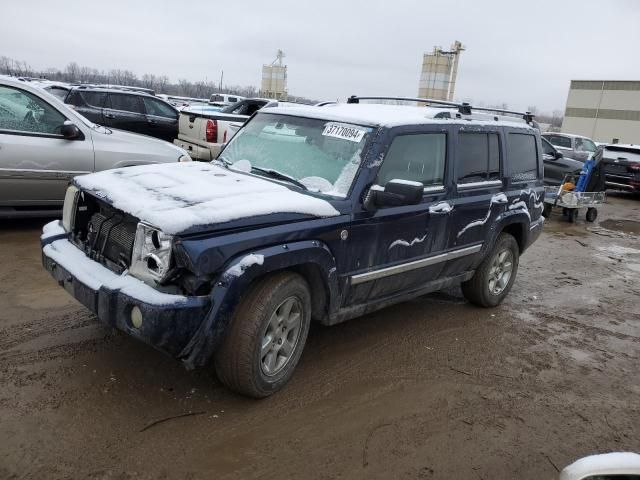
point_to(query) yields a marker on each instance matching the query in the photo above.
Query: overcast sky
(521, 53)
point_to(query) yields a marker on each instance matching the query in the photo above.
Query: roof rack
(463, 108)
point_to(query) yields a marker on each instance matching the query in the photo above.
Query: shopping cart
(571, 195)
(571, 202)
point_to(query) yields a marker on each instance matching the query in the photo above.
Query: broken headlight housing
(151, 259)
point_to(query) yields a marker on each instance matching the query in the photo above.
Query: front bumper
(169, 321)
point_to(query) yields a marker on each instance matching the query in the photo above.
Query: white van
(224, 99)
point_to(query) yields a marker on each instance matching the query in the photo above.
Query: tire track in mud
(67, 350)
(58, 329)
(15, 335)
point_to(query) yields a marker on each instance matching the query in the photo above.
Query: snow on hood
(178, 196)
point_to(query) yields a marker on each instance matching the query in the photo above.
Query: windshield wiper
(280, 176)
(224, 161)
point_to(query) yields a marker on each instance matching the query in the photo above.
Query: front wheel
(266, 336)
(494, 277)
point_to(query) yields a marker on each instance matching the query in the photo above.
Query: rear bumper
(169, 321)
(198, 152)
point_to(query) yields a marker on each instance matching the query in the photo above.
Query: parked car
(182, 102)
(60, 90)
(310, 214)
(224, 99)
(621, 164)
(556, 165)
(203, 132)
(571, 146)
(129, 110)
(44, 144)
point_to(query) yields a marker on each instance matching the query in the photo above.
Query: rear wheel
(266, 337)
(592, 214)
(494, 277)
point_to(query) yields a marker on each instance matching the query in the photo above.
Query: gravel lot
(433, 388)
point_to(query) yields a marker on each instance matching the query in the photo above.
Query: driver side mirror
(394, 194)
(70, 131)
(558, 155)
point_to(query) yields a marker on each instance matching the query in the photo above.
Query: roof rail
(464, 108)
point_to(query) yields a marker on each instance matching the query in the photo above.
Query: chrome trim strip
(429, 189)
(40, 170)
(486, 183)
(40, 174)
(621, 185)
(626, 177)
(406, 267)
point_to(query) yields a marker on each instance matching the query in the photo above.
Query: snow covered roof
(387, 115)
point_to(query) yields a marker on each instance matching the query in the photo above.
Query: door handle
(151, 121)
(109, 115)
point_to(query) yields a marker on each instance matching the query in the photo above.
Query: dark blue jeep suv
(309, 214)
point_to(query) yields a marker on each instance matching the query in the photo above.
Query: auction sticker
(345, 132)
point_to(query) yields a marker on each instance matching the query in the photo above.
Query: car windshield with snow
(317, 155)
(309, 214)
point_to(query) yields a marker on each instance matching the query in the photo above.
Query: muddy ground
(433, 388)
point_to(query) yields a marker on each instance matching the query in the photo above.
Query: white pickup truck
(203, 133)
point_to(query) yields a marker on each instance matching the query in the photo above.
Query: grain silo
(274, 79)
(439, 71)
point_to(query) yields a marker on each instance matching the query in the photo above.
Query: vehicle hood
(194, 196)
(112, 138)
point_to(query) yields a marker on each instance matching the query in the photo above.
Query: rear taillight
(212, 131)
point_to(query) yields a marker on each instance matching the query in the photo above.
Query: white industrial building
(605, 110)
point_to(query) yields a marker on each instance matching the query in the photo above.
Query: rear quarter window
(522, 157)
(95, 99)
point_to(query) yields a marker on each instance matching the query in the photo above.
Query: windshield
(321, 155)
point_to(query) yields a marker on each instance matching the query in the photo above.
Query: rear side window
(417, 157)
(478, 157)
(158, 108)
(559, 141)
(522, 157)
(127, 103)
(95, 99)
(233, 99)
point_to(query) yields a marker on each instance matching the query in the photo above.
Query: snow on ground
(178, 196)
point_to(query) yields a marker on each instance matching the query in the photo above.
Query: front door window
(22, 111)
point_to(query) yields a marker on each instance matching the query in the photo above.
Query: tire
(241, 362)
(592, 214)
(482, 289)
(572, 216)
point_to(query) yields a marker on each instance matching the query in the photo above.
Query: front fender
(238, 275)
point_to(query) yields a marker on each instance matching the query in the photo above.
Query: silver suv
(44, 144)
(572, 146)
